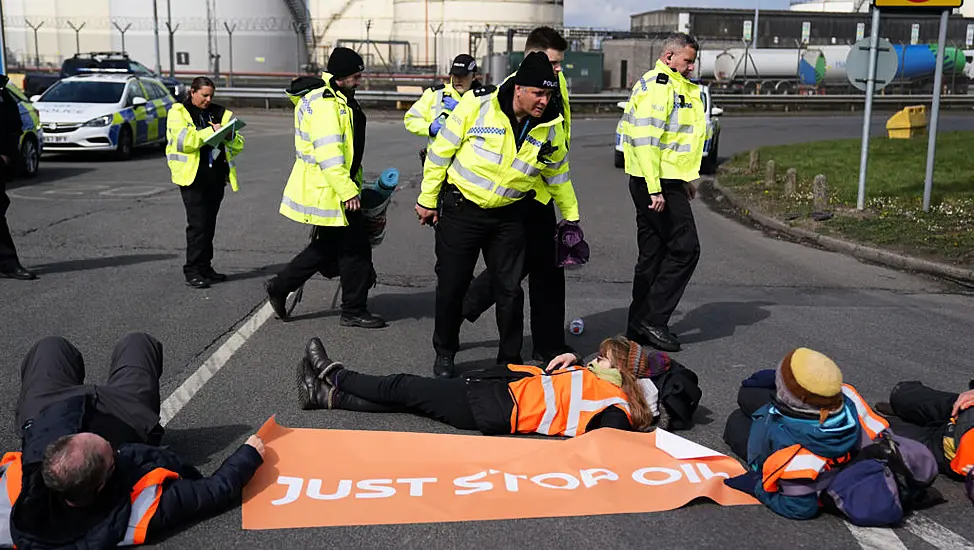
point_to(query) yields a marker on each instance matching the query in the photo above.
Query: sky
(614, 14)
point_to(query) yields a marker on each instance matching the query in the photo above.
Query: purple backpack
(887, 478)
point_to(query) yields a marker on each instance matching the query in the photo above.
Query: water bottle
(576, 327)
(374, 193)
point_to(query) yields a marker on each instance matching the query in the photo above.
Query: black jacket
(11, 127)
(41, 520)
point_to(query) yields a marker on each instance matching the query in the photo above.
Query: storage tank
(771, 64)
(915, 61)
(356, 20)
(455, 19)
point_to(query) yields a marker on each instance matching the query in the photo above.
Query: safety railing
(379, 96)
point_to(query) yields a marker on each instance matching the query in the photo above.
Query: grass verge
(893, 218)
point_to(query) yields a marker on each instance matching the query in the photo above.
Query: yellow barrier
(910, 122)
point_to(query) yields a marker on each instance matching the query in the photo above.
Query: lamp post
(155, 30)
(172, 54)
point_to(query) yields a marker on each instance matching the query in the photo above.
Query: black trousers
(922, 414)
(546, 281)
(202, 200)
(463, 232)
(737, 431)
(8, 252)
(54, 370)
(442, 399)
(668, 253)
(349, 247)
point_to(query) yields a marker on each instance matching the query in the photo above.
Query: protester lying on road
(612, 391)
(943, 421)
(805, 435)
(90, 474)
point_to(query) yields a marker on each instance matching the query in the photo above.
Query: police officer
(498, 148)
(663, 132)
(546, 281)
(427, 115)
(10, 129)
(201, 171)
(324, 190)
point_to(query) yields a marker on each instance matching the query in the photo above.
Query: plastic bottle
(576, 327)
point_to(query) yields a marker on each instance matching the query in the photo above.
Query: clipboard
(221, 135)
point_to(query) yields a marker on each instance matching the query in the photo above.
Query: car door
(144, 114)
(164, 101)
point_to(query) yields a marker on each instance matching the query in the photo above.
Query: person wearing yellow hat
(794, 423)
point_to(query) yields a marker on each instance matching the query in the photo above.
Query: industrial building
(271, 36)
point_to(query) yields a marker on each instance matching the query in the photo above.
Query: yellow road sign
(919, 4)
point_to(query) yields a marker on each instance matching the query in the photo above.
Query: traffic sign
(857, 64)
(806, 31)
(747, 30)
(970, 36)
(919, 4)
(915, 34)
(860, 31)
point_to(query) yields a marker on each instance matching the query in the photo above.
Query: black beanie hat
(345, 62)
(536, 71)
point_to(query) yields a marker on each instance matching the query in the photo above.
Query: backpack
(886, 480)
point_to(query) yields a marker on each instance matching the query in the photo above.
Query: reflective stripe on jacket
(477, 152)
(562, 402)
(422, 113)
(11, 480)
(145, 497)
(184, 141)
(320, 183)
(796, 463)
(664, 128)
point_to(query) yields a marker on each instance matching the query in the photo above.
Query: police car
(709, 163)
(32, 138)
(104, 111)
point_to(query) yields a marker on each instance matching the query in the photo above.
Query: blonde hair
(616, 350)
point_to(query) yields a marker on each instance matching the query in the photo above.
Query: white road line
(875, 538)
(935, 534)
(179, 398)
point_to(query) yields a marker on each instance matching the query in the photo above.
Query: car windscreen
(84, 92)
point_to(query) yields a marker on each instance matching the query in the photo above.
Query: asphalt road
(107, 239)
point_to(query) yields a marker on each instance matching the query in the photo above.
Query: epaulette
(486, 90)
(662, 78)
(438, 87)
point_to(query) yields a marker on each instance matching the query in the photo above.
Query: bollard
(770, 175)
(752, 167)
(791, 182)
(820, 192)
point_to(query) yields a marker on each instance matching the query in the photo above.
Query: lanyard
(524, 131)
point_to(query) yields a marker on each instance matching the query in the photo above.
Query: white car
(708, 165)
(104, 112)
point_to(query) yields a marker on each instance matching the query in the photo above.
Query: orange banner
(320, 478)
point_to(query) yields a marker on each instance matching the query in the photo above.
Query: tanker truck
(822, 69)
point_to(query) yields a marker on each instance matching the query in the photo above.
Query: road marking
(935, 534)
(179, 398)
(875, 538)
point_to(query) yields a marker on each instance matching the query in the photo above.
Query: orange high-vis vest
(964, 454)
(561, 402)
(798, 463)
(145, 500)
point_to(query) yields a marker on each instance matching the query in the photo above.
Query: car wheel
(30, 155)
(123, 151)
(620, 159)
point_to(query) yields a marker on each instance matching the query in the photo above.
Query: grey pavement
(107, 239)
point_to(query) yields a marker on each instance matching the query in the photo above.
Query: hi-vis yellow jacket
(476, 151)
(664, 128)
(320, 183)
(184, 142)
(422, 113)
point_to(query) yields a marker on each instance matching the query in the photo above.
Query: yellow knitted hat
(811, 379)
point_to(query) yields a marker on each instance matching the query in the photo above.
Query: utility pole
(938, 79)
(155, 28)
(172, 54)
(757, 15)
(211, 45)
(77, 36)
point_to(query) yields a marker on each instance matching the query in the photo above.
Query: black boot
(323, 366)
(276, 299)
(443, 366)
(312, 392)
(659, 337)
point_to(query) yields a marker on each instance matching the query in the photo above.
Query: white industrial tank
(351, 23)
(417, 22)
(843, 6)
